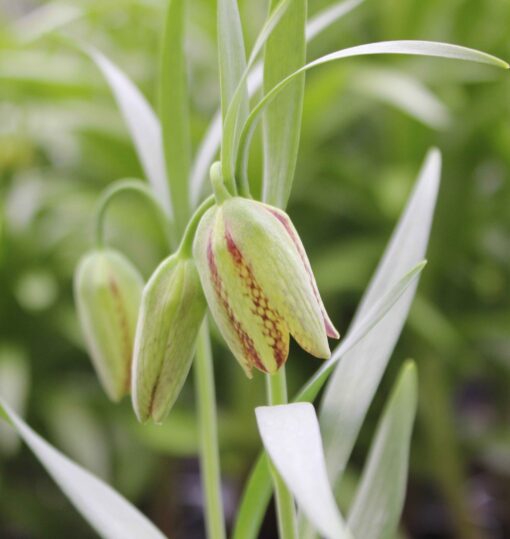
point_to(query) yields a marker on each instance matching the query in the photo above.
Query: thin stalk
(276, 388)
(119, 187)
(209, 450)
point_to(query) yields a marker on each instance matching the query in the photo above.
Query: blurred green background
(62, 141)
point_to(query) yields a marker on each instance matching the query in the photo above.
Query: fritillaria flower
(259, 284)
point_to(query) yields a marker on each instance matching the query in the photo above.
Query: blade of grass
(111, 515)
(285, 51)
(292, 439)
(174, 112)
(211, 141)
(377, 506)
(413, 48)
(142, 123)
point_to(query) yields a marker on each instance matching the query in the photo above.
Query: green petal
(278, 268)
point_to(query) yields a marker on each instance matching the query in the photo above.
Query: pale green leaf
(413, 48)
(234, 119)
(211, 141)
(351, 388)
(285, 51)
(111, 515)
(174, 112)
(142, 123)
(377, 506)
(250, 514)
(292, 439)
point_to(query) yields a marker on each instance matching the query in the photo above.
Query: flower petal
(279, 271)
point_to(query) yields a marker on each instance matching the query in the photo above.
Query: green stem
(276, 388)
(121, 186)
(186, 245)
(209, 450)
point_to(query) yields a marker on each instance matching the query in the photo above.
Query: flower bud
(173, 308)
(108, 290)
(259, 284)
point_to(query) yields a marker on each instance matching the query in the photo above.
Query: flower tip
(331, 331)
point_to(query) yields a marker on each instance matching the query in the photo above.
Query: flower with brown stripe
(259, 284)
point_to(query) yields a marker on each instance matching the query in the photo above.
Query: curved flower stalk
(108, 289)
(259, 284)
(172, 311)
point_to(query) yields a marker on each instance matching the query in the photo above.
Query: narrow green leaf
(352, 387)
(174, 112)
(413, 48)
(250, 514)
(111, 515)
(292, 439)
(141, 121)
(377, 506)
(232, 64)
(234, 119)
(285, 51)
(232, 54)
(211, 141)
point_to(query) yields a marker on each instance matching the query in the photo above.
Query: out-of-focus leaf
(403, 92)
(141, 122)
(45, 19)
(375, 511)
(111, 515)
(250, 515)
(285, 51)
(413, 48)
(14, 383)
(212, 138)
(292, 439)
(174, 112)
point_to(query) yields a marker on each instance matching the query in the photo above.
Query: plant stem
(276, 388)
(209, 451)
(119, 187)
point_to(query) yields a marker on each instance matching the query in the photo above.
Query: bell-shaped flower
(259, 284)
(172, 311)
(108, 290)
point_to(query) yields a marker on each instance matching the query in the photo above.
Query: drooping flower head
(108, 290)
(172, 310)
(259, 284)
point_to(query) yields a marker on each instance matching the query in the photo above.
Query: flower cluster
(247, 265)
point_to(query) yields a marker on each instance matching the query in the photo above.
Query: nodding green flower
(173, 308)
(259, 284)
(108, 290)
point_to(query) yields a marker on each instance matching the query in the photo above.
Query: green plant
(360, 359)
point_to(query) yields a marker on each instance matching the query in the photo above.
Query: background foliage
(62, 141)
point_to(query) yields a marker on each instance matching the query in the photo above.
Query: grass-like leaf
(377, 506)
(111, 515)
(233, 121)
(285, 51)
(142, 123)
(258, 490)
(352, 387)
(232, 65)
(174, 112)
(292, 439)
(413, 48)
(211, 141)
